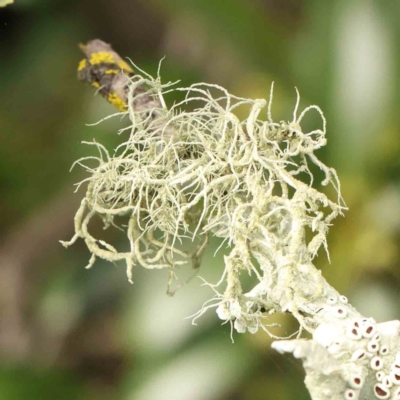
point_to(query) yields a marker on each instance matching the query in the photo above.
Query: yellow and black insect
(104, 69)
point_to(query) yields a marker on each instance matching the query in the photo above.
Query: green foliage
(28, 383)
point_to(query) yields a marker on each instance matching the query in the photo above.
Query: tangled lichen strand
(187, 174)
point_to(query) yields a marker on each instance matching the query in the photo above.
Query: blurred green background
(70, 333)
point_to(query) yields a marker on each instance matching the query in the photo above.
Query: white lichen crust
(345, 368)
(181, 175)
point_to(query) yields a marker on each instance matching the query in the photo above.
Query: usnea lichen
(189, 174)
(181, 176)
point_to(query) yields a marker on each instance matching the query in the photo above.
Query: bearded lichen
(188, 174)
(180, 176)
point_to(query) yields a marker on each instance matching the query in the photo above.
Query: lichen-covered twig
(179, 176)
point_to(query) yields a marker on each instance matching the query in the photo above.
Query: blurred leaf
(29, 383)
(4, 3)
